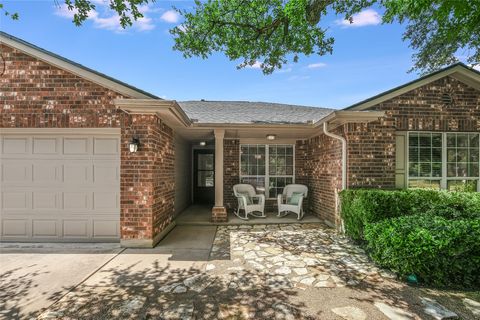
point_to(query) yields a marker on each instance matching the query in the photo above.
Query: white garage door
(60, 185)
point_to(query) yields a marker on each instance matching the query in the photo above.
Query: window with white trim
(269, 167)
(443, 160)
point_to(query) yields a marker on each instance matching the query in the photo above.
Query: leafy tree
(274, 31)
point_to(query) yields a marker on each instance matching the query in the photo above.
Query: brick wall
(422, 109)
(325, 176)
(370, 154)
(35, 94)
(231, 171)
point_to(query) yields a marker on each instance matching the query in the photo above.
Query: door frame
(196, 151)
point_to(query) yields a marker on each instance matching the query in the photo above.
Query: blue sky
(368, 58)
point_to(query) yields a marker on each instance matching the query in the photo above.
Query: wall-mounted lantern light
(271, 137)
(133, 145)
(203, 143)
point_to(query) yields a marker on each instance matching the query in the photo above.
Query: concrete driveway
(33, 276)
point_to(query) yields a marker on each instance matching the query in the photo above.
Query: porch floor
(201, 215)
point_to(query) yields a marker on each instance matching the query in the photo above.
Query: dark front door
(204, 176)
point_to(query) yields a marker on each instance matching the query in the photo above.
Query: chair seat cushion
(247, 196)
(295, 198)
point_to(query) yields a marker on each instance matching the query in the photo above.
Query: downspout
(344, 162)
(344, 153)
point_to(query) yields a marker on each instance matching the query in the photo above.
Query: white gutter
(344, 153)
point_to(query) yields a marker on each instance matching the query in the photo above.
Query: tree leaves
(261, 32)
(270, 32)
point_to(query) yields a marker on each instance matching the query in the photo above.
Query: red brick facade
(371, 147)
(231, 172)
(147, 178)
(35, 94)
(325, 176)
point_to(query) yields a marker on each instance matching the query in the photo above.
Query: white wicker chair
(240, 190)
(282, 200)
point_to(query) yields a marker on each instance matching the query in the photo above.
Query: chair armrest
(243, 199)
(300, 201)
(261, 197)
(279, 199)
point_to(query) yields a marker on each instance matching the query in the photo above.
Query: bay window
(443, 160)
(269, 167)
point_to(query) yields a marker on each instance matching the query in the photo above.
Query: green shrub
(439, 251)
(361, 206)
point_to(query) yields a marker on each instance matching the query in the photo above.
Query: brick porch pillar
(219, 213)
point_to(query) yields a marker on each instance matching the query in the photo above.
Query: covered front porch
(197, 214)
(219, 145)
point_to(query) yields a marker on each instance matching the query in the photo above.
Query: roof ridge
(254, 102)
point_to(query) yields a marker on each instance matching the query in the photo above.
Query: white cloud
(256, 65)
(316, 65)
(477, 67)
(170, 16)
(368, 17)
(108, 19)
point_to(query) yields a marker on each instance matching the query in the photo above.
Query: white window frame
(267, 165)
(443, 179)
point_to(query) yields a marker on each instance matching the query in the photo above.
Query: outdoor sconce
(203, 143)
(133, 145)
(271, 137)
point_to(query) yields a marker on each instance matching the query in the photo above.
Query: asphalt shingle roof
(250, 112)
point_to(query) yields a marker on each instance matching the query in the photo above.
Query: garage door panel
(17, 228)
(76, 228)
(47, 171)
(76, 146)
(14, 171)
(106, 146)
(46, 200)
(106, 201)
(77, 202)
(46, 145)
(106, 172)
(60, 187)
(16, 200)
(77, 172)
(45, 228)
(16, 145)
(108, 228)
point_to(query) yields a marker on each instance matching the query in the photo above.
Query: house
(85, 157)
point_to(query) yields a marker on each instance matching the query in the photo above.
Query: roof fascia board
(152, 106)
(349, 116)
(82, 72)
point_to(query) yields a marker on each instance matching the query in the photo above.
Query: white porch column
(219, 212)
(219, 134)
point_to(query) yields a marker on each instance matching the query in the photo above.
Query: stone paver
(306, 254)
(394, 313)
(350, 313)
(436, 310)
(473, 306)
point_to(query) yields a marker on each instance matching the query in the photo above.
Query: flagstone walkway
(296, 271)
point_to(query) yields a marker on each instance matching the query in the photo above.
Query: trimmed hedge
(437, 250)
(362, 206)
